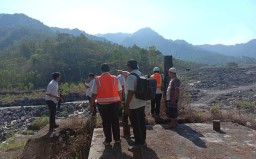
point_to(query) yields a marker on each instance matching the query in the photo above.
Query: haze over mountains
(16, 27)
(247, 49)
(209, 54)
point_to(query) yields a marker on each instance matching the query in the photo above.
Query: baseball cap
(172, 69)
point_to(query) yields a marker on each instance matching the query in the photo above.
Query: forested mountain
(30, 64)
(179, 48)
(117, 38)
(18, 27)
(77, 32)
(31, 51)
(246, 49)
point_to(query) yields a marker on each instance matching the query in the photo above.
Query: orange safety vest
(107, 85)
(158, 78)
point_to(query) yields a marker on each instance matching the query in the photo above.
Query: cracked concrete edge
(94, 151)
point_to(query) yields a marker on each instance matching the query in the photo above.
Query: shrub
(39, 123)
(8, 135)
(12, 144)
(245, 104)
(69, 88)
(215, 111)
(63, 114)
(27, 132)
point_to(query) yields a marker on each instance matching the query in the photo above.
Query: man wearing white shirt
(134, 107)
(88, 87)
(52, 98)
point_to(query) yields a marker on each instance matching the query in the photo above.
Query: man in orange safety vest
(155, 103)
(107, 90)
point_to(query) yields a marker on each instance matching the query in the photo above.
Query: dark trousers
(137, 118)
(52, 109)
(155, 104)
(95, 111)
(110, 121)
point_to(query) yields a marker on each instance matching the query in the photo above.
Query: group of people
(115, 99)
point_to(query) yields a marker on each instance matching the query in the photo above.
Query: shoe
(131, 148)
(106, 143)
(118, 141)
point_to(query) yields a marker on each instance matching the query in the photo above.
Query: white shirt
(52, 89)
(89, 90)
(122, 81)
(95, 87)
(131, 83)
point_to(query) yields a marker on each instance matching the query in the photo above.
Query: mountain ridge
(18, 27)
(147, 37)
(247, 49)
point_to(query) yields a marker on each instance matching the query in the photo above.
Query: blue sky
(196, 21)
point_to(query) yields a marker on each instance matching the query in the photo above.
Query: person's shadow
(112, 152)
(148, 153)
(190, 134)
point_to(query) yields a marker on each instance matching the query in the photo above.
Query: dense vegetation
(30, 64)
(30, 51)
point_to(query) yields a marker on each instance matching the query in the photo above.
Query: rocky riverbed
(18, 119)
(206, 87)
(226, 86)
(221, 78)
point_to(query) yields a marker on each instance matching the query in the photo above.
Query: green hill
(31, 51)
(18, 27)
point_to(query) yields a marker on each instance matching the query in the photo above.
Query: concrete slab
(187, 141)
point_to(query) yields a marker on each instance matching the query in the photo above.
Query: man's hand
(58, 97)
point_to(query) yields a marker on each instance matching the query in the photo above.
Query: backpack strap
(136, 75)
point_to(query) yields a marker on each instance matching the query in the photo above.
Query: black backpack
(146, 88)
